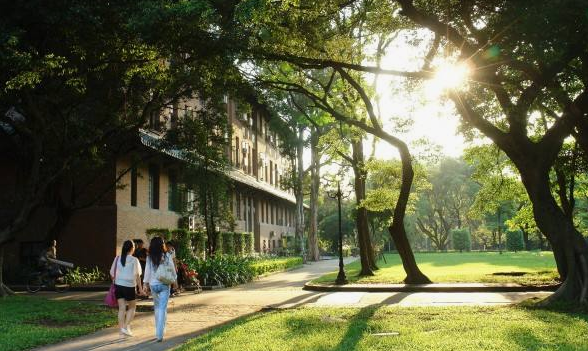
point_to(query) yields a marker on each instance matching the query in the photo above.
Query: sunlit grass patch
(509, 328)
(528, 268)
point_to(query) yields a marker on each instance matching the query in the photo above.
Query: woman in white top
(126, 272)
(159, 290)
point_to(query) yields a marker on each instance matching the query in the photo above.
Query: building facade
(261, 205)
(146, 195)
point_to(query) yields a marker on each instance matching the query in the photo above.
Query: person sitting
(50, 268)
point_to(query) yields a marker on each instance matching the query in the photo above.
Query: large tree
(78, 80)
(520, 67)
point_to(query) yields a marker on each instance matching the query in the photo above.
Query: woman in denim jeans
(159, 290)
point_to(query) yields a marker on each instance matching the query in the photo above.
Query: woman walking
(158, 264)
(126, 273)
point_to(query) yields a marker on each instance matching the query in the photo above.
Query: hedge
(264, 266)
(228, 243)
(162, 232)
(182, 237)
(248, 240)
(195, 243)
(233, 270)
(199, 243)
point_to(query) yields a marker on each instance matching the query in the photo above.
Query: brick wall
(133, 221)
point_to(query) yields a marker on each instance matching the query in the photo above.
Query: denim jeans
(160, 294)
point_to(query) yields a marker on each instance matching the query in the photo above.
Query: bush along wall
(231, 270)
(228, 243)
(239, 244)
(248, 243)
(182, 237)
(162, 232)
(199, 243)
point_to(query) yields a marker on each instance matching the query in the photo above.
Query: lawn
(510, 328)
(26, 321)
(524, 267)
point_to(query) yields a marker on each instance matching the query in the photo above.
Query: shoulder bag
(166, 273)
(110, 299)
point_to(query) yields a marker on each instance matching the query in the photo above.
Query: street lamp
(341, 278)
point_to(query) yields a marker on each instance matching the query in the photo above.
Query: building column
(257, 224)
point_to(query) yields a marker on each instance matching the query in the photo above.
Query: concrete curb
(441, 288)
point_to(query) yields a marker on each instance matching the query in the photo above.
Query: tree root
(5, 291)
(417, 279)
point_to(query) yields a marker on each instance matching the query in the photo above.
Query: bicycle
(44, 279)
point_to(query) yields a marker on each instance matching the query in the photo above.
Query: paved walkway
(193, 314)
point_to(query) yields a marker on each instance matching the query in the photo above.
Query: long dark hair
(126, 248)
(156, 250)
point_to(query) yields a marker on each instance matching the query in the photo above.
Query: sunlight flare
(448, 76)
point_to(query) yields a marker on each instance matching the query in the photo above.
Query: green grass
(539, 268)
(420, 329)
(26, 322)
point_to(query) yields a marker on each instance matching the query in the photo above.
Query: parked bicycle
(47, 280)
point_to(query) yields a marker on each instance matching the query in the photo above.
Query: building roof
(153, 141)
(254, 183)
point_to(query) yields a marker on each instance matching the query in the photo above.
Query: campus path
(193, 314)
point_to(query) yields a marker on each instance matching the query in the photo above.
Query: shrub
(223, 270)
(219, 243)
(81, 275)
(248, 240)
(514, 241)
(268, 265)
(162, 232)
(243, 244)
(183, 243)
(198, 243)
(233, 270)
(461, 240)
(228, 243)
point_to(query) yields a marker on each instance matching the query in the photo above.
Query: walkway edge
(441, 288)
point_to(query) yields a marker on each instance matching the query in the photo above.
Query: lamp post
(341, 278)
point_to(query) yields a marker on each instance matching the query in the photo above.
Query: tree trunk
(397, 230)
(313, 248)
(526, 239)
(211, 242)
(541, 241)
(361, 220)
(299, 193)
(500, 230)
(4, 290)
(569, 247)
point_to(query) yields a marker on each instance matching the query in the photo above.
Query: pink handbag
(110, 299)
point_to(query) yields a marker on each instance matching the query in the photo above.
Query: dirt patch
(511, 274)
(144, 308)
(83, 311)
(50, 322)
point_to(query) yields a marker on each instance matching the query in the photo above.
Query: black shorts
(124, 292)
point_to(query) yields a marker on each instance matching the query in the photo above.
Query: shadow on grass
(357, 329)
(551, 317)
(356, 324)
